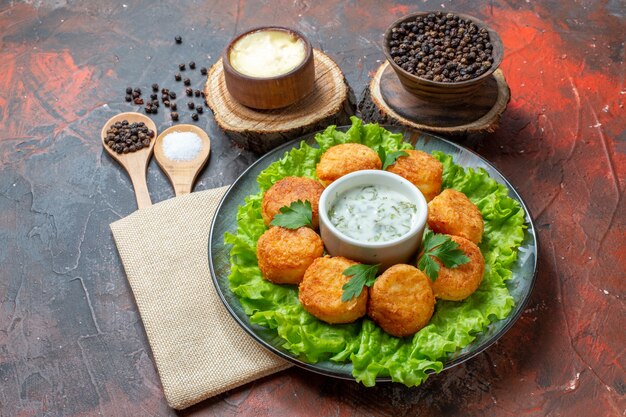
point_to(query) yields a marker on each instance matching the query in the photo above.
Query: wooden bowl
(270, 92)
(436, 91)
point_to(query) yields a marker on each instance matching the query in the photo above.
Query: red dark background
(71, 340)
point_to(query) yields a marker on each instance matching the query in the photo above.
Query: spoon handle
(182, 187)
(141, 191)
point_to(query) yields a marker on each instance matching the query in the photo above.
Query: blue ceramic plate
(225, 221)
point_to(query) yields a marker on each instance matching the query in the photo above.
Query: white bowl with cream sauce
(373, 217)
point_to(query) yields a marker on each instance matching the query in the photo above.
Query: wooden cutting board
(330, 102)
(387, 102)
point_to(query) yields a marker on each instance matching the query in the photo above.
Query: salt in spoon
(182, 174)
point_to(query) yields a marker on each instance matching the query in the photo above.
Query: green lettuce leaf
(373, 352)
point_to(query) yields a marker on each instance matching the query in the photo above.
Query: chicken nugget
(343, 159)
(422, 170)
(288, 190)
(458, 283)
(401, 300)
(451, 212)
(321, 291)
(285, 254)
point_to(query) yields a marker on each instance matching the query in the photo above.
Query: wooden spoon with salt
(182, 173)
(135, 163)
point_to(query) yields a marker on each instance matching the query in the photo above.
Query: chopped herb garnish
(444, 249)
(362, 275)
(296, 215)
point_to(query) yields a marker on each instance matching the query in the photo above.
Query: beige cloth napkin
(199, 349)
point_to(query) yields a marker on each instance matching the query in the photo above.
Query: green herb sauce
(373, 213)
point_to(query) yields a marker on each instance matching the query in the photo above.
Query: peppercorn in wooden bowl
(269, 67)
(442, 57)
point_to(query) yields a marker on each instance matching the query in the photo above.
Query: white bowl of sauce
(373, 217)
(269, 67)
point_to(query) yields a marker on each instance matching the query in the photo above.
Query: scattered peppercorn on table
(71, 340)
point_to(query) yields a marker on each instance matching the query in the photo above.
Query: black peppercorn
(199, 109)
(187, 81)
(155, 87)
(194, 116)
(173, 106)
(166, 103)
(191, 105)
(197, 93)
(165, 91)
(129, 90)
(125, 137)
(137, 90)
(189, 91)
(178, 77)
(444, 48)
(128, 98)
(174, 116)
(181, 67)
(178, 39)
(154, 96)
(173, 95)
(192, 65)
(203, 71)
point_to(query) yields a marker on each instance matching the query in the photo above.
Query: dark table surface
(71, 339)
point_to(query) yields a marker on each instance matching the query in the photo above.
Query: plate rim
(312, 366)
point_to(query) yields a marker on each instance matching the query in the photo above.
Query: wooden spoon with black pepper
(135, 163)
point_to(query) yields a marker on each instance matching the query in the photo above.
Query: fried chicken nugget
(284, 255)
(451, 212)
(288, 190)
(422, 170)
(340, 160)
(321, 291)
(458, 283)
(401, 300)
